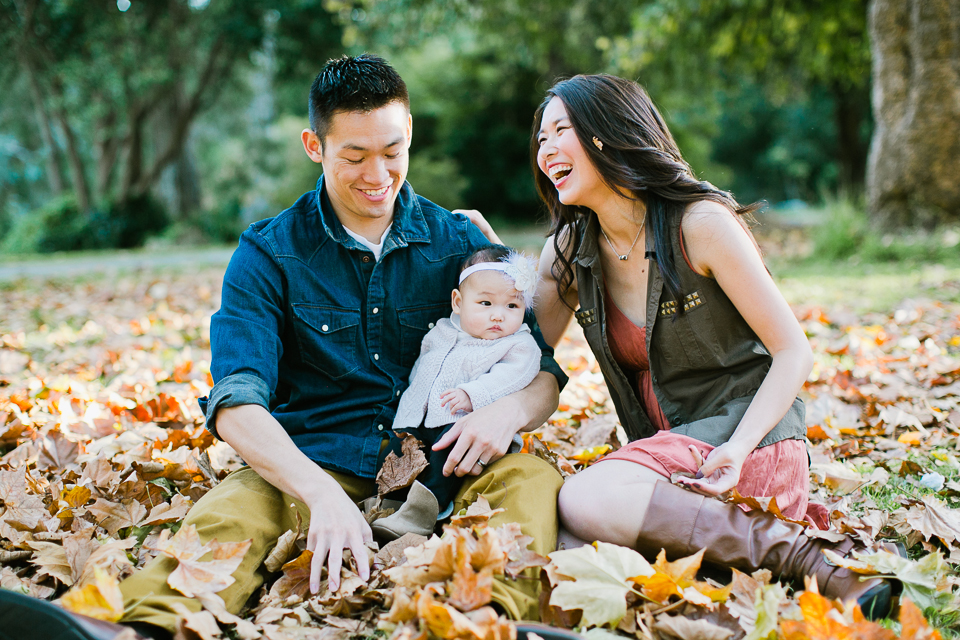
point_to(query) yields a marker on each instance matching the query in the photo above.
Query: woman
(702, 355)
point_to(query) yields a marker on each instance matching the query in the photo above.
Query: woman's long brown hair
(639, 157)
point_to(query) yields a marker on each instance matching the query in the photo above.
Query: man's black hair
(360, 83)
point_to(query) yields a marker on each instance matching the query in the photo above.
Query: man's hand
(482, 436)
(336, 524)
(456, 400)
(485, 435)
(335, 521)
(481, 223)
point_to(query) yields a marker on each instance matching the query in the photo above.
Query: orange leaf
(913, 625)
(296, 577)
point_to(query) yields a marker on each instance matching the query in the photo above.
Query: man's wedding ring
(481, 463)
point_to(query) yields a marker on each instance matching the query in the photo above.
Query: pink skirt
(779, 470)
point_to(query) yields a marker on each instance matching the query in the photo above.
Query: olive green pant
(245, 506)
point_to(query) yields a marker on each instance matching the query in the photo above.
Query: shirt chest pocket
(687, 340)
(414, 324)
(328, 338)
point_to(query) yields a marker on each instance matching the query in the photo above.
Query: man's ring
(481, 463)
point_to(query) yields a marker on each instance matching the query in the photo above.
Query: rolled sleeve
(233, 391)
(245, 333)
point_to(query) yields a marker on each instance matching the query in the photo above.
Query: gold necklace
(614, 249)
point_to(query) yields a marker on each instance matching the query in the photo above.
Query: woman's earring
(597, 142)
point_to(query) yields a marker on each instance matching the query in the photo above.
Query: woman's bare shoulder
(706, 219)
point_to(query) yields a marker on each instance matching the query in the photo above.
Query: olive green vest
(706, 363)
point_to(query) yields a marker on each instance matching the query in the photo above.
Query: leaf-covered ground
(103, 452)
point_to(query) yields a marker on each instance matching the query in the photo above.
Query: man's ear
(409, 129)
(456, 300)
(312, 145)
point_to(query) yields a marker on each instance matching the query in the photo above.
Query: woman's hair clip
(597, 142)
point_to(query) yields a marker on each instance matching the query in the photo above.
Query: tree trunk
(914, 167)
(850, 106)
(54, 173)
(80, 187)
(179, 183)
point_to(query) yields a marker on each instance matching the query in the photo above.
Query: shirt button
(365, 258)
(379, 427)
(376, 356)
(325, 328)
(430, 326)
(376, 310)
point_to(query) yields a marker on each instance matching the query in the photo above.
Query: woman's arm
(553, 317)
(719, 246)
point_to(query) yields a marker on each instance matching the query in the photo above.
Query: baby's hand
(456, 400)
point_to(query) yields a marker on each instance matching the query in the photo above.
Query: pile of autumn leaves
(104, 453)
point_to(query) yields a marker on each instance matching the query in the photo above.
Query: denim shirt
(324, 336)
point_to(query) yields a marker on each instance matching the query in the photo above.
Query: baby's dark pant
(443, 487)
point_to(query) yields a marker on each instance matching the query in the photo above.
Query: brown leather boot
(682, 522)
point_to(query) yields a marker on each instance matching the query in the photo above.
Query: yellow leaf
(100, 599)
(911, 438)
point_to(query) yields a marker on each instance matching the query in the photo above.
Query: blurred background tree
(182, 117)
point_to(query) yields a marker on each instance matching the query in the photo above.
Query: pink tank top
(628, 344)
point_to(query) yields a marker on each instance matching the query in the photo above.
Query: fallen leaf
(687, 629)
(100, 598)
(192, 576)
(295, 580)
(399, 472)
(597, 580)
(114, 516)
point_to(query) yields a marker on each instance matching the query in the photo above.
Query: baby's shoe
(417, 515)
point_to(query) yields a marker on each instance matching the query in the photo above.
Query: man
(323, 310)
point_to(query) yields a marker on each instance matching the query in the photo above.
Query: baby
(483, 352)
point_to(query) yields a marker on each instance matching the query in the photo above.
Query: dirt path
(61, 265)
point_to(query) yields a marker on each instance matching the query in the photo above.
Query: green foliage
(62, 226)
(846, 232)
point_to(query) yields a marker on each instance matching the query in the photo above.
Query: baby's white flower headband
(518, 267)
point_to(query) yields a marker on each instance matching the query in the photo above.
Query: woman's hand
(719, 471)
(481, 223)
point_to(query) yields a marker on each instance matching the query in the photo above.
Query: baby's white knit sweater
(451, 358)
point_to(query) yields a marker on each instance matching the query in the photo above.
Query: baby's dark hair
(489, 253)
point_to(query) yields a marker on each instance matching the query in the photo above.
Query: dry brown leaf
(52, 561)
(193, 576)
(172, 511)
(680, 627)
(10, 581)
(399, 472)
(764, 505)
(445, 622)
(56, 452)
(114, 516)
(23, 510)
(470, 588)
(109, 557)
(392, 553)
(295, 580)
(285, 548)
(933, 518)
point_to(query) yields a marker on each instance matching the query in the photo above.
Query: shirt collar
(409, 223)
